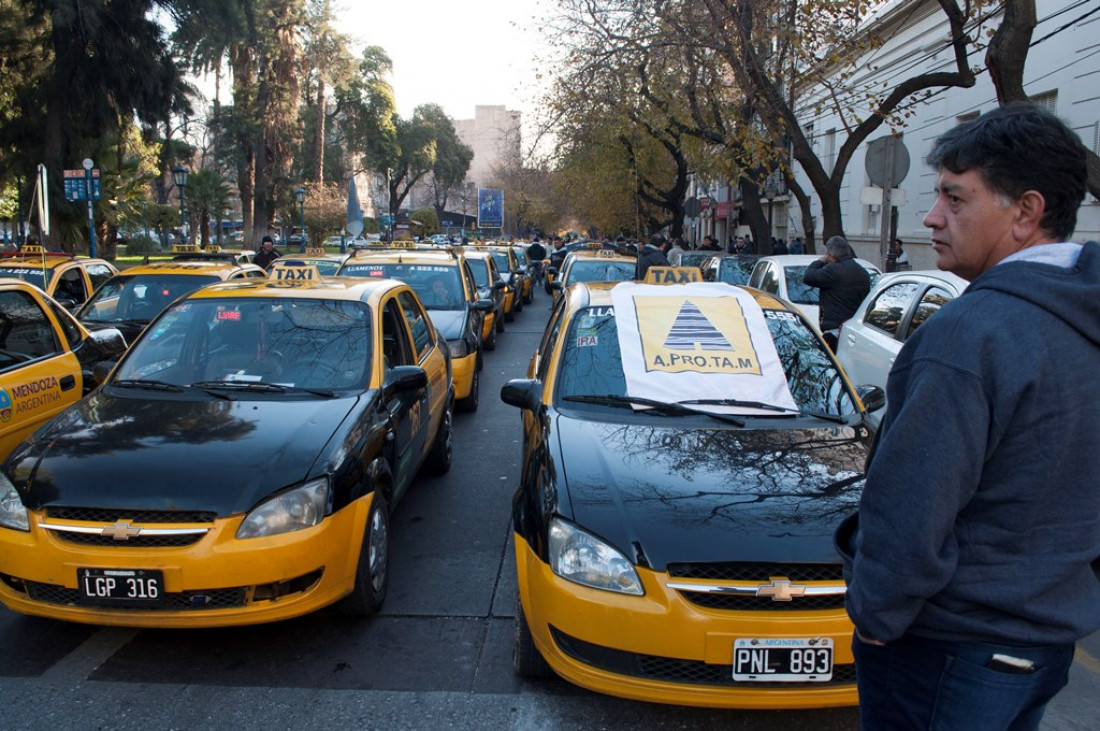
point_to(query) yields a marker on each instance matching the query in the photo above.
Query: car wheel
(439, 459)
(373, 571)
(469, 404)
(510, 315)
(530, 296)
(491, 343)
(500, 322)
(518, 307)
(527, 661)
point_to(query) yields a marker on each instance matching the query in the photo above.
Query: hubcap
(377, 547)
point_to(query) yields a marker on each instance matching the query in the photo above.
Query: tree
(208, 197)
(326, 59)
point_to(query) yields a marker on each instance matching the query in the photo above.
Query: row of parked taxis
(319, 397)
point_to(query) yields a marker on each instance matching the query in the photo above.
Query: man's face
(268, 246)
(972, 227)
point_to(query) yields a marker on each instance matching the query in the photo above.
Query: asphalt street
(437, 656)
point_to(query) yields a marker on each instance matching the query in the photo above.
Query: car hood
(174, 454)
(667, 495)
(448, 322)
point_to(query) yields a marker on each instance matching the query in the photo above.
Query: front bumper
(217, 581)
(661, 648)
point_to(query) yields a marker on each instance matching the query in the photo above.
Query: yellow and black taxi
(594, 264)
(688, 451)
(212, 251)
(327, 264)
(490, 285)
(527, 281)
(69, 279)
(132, 298)
(46, 359)
(238, 466)
(514, 276)
(443, 281)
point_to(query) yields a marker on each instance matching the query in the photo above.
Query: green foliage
(142, 244)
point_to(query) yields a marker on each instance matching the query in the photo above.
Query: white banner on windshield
(698, 341)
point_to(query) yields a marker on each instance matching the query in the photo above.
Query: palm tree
(208, 194)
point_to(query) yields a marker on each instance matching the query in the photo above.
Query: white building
(1062, 73)
(494, 136)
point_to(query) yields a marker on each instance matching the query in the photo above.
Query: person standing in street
(843, 283)
(266, 254)
(651, 255)
(969, 563)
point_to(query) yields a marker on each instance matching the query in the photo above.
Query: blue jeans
(918, 683)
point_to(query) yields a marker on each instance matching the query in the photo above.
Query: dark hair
(1017, 148)
(265, 239)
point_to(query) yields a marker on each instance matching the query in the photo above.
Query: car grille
(145, 518)
(762, 603)
(752, 571)
(208, 599)
(676, 670)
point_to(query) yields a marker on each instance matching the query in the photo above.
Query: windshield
(694, 258)
(481, 273)
(735, 271)
(437, 285)
(798, 291)
(38, 277)
(591, 364)
(306, 343)
(599, 271)
(140, 296)
(502, 261)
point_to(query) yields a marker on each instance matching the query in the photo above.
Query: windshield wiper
(838, 418)
(263, 387)
(659, 407)
(148, 384)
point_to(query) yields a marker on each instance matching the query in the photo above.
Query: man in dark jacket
(969, 576)
(651, 255)
(267, 253)
(843, 283)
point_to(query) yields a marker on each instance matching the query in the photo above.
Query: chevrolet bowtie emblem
(121, 531)
(780, 590)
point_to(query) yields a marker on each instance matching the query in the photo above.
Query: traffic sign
(76, 188)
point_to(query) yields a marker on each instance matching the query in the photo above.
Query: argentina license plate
(120, 587)
(781, 659)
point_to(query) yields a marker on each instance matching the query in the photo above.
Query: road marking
(1089, 662)
(79, 664)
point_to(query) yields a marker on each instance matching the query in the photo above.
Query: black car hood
(448, 322)
(666, 494)
(174, 454)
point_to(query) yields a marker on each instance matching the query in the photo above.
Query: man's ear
(1030, 209)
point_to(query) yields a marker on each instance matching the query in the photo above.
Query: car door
(870, 343)
(430, 357)
(407, 410)
(39, 375)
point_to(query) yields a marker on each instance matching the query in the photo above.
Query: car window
(309, 343)
(591, 362)
(38, 277)
(888, 308)
(549, 338)
(71, 285)
(437, 285)
(481, 273)
(68, 325)
(468, 278)
(139, 297)
(733, 271)
(797, 290)
(98, 273)
(25, 331)
(418, 323)
(599, 271)
(396, 348)
(929, 304)
(769, 279)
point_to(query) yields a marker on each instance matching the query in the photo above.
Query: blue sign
(387, 219)
(490, 208)
(76, 185)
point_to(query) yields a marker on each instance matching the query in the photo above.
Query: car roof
(218, 267)
(50, 260)
(334, 288)
(952, 280)
(435, 255)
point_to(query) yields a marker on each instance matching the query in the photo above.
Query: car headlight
(458, 348)
(13, 514)
(582, 558)
(302, 507)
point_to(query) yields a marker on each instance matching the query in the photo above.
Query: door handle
(68, 382)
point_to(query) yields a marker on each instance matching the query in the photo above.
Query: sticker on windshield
(703, 341)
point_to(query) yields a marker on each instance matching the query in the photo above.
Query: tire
(500, 322)
(510, 315)
(439, 458)
(517, 307)
(372, 575)
(469, 404)
(527, 661)
(491, 343)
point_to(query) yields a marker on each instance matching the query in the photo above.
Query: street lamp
(179, 177)
(89, 164)
(769, 193)
(300, 196)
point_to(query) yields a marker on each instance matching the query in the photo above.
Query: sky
(455, 53)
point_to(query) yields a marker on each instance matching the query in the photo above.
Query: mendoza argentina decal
(699, 341)
(29, 396)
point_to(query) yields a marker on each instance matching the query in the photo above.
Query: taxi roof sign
(32, 249)
(296, 273)
(607, 252)
(315, 250)
(185, 249)
(673, 275)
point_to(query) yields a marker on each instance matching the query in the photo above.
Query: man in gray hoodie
(969, 564)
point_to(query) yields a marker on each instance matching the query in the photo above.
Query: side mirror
(526, 393)
(552, 270)
(483, 306)
(400, 379)
(109, 340)
(873, 397)
(498, 286)
(557, 285)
